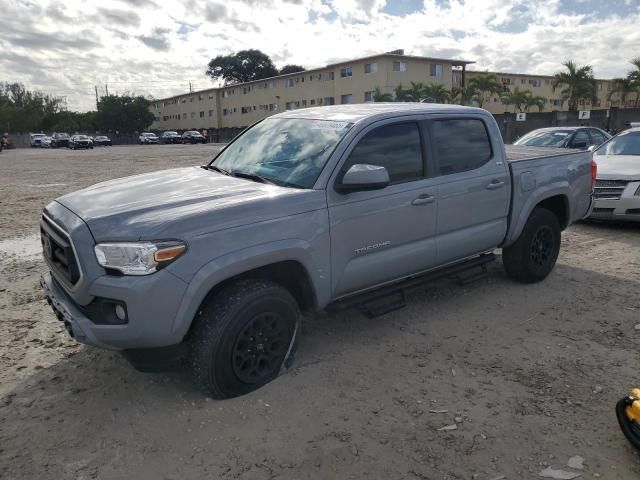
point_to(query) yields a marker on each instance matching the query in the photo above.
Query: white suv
(36, 139)
(147, 138)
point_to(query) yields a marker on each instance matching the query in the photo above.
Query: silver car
(617, 188)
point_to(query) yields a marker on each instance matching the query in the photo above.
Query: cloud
(156, 48)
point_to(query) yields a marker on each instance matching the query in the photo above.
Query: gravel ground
(529, 374)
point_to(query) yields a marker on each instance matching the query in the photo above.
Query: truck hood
(618, 167)
(181, 203)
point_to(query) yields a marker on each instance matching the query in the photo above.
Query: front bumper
(626, 208)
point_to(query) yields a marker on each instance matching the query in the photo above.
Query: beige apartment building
(538, 85)
(353, 81)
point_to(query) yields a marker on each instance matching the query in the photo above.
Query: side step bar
(391, 297)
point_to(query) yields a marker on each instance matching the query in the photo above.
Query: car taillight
(594, 173)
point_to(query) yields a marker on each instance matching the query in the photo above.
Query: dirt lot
(530, 373)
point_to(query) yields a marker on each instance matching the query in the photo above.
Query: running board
(391, 297)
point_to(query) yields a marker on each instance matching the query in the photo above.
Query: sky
(156, 47)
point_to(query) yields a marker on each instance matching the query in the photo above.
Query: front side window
(286, 151)
(460, 144)
(394, 147)
(597, 137)
(622, 144)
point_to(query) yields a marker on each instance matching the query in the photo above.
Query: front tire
(532, 257)
(242, 337)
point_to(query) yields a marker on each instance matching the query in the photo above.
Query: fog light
(121, 313)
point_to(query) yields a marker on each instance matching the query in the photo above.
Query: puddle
(27, 248)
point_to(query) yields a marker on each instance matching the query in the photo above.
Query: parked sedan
(80, 141)
(35, 139)
(148, 138)
(193, 136)
(170, 137)
(617, 189)
(59, 140)
(102, 141)
(46, 142)
(564, 137)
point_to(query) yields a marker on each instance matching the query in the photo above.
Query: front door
(381, 235)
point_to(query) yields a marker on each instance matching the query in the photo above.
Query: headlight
(139, 258)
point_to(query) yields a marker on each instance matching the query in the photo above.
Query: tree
(463, 95)
(400, 94)
(123, 113)
(577, 83)
(415, 93)
(515, 97)
(531, 100)
(243, 66)
(623, 88)
(291, 69)
(380, 96)
(485, 84)
(436, 93)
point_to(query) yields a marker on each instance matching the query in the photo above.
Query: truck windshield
(544, 139)
(623, 144)
(287, 151)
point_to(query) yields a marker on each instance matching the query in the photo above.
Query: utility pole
(190, 89)
(96, 87)
(106, 89)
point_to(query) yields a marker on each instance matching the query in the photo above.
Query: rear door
(381, 235)
(473, 187)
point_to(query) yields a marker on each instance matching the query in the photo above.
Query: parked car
(344, 207)
(148, 138)
(59, 140)
(617, 189)
(102, 141)
(193, 136)
(170, 137)
(46, 142)
(35, 139)
(80, 141)
(564, 137)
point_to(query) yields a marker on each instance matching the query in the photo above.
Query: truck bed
(517, 153)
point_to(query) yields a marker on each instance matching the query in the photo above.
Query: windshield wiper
(261, 179)
(217, 169)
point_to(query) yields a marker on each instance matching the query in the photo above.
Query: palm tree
(485, 84)
(515, 97)
(415, 92)
(463, 95)
(634, 76)
(577, 84)
(400, 94)
(380, 96)
(531, 100)
(622, 88)
(435, 93)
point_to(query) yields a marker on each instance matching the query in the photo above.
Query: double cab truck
(305, 210)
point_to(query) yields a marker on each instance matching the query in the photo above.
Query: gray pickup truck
(307, 209)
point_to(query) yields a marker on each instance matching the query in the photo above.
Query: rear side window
(460, 144)
(394, 147)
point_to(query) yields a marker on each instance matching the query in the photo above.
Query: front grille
(58, 252)
(609, 189)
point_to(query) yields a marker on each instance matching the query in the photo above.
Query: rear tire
(532, 257)
(242, 337)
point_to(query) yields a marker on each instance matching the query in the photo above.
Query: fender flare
(227, 266)
(537, 196)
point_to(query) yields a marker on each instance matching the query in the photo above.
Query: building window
(368, 96)
(193, 114)
(329, 101)
(211, 113)
(201, 114)
(211, 96)
(522, 81)
(370, 67)
(304, 103)
(346, 99)
(535, 83)
(313, 101)
(273, 107)
(288, 82)
(399, 67)
(546, 82)
(246, 90)
(435, 70)
(327, 76)
(290, 105)
(184, 116)
(346, 72)
(200, 97)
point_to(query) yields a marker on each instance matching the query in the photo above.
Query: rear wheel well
(557, 205)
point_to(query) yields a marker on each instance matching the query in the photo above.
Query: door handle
(495, 184)
(423, 199)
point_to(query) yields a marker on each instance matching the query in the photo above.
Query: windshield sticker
(328, 125)
(560, 134)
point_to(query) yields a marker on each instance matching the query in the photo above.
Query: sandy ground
(529, 373)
